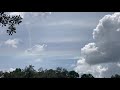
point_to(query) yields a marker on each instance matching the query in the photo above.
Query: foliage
(30, 72)
(115, 76)
(87, 76)
(11, 21)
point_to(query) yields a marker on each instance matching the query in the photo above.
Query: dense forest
(30, 72)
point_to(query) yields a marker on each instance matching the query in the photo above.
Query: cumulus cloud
(106, 46)
(36, 49)
(12, 42)
(85, 68)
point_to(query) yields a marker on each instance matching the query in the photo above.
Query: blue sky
(49, 40)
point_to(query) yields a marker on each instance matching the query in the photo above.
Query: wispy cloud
(36, 49)
(72, 23)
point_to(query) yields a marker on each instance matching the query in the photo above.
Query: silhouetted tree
(10, 21)
(115, 76)
(73, 74)
(1, 74)
(87, 76)
(29, 71)
(40, 69)
(7, 75)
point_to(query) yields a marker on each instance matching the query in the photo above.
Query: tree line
(30, 72)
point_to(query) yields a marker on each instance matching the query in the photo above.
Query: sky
(87, 42)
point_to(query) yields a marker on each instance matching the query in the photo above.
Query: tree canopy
(115, 76)
(10, 21)
(87, 76)
(59, 72)
(30, 72)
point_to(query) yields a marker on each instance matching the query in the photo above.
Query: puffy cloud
(36, 49)
(85, 68)
(104, 50)
(106, 47)
(12, 42)
(88, 49)
(96, 71)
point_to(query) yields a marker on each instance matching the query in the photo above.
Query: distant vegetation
(30, 72)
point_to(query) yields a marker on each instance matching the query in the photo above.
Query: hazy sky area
(86, 42)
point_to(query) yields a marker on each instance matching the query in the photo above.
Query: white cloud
(85, 68)
(36, 49)
(90, 48)
(10, 70)
(12, 42)
(105, 49)
(71, 23)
